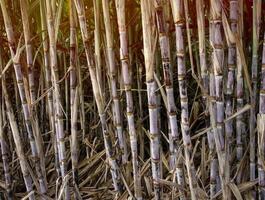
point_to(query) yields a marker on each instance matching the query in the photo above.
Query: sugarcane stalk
(59, 124)
(74, 96)
(261, 127)
(213, 156)
(98, 42)
(82, 105)
(167, 72)
(240, 123)
(140, 104)
(22, 93)
(205, 82)
(113, 82)
(126, 71)
(230, 84)
(17, 140)
(168, 82)
(4, 146)
(48, 83)
(66, 94)
(4, 155)
(27, 37)
(230, 87)
(147, 12)
(217, 103)
(115, 171)
(253, 97)
(179, 20)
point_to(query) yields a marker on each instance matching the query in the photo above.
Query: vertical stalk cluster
(48, 82)
(4, 143)
(52, 125)
(126, 74)
(113, 82)
(17, 140)
(206, 91)
(217, 105)
(168, 82)
(27, 36)
(74, 96)
(179, 20)
(59, 124)
(147, 12)
(167, 69)
(22, 94)
(115, 171)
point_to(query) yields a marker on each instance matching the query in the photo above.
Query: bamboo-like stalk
(230, 87)
(17, 140)
(126, 71)
(115, 171)
(22, 94)
(179, 20)
(253, 97)
(147, 11)
(167, 72)
(240, 124)
(27, 36)
(261, 127)
(4, 155)
(217, 105)
(48, 82)
(97, 34)
(140, 104)
(205, 82)
(82, 105)
(59, 124)
(4, 145)
(113, 82)
(168, 81)
(74, 96)
(213, 155)
(231, 74)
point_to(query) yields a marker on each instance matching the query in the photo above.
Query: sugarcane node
(231, 20)
(154, 136)
(218, 47)
(127, 87)
(231, 67)
(20, 82)
(124, 58)
(184, 100)
(182, 77)
(180, 54)
(152, 106)
(129, 114)
(217, 20)
(180, 22)
(172, 113)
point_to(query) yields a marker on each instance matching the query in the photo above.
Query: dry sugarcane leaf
(148, 185)
(235, 191)
(243, 187)
(230, 38)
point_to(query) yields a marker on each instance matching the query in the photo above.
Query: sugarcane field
(132, 99)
